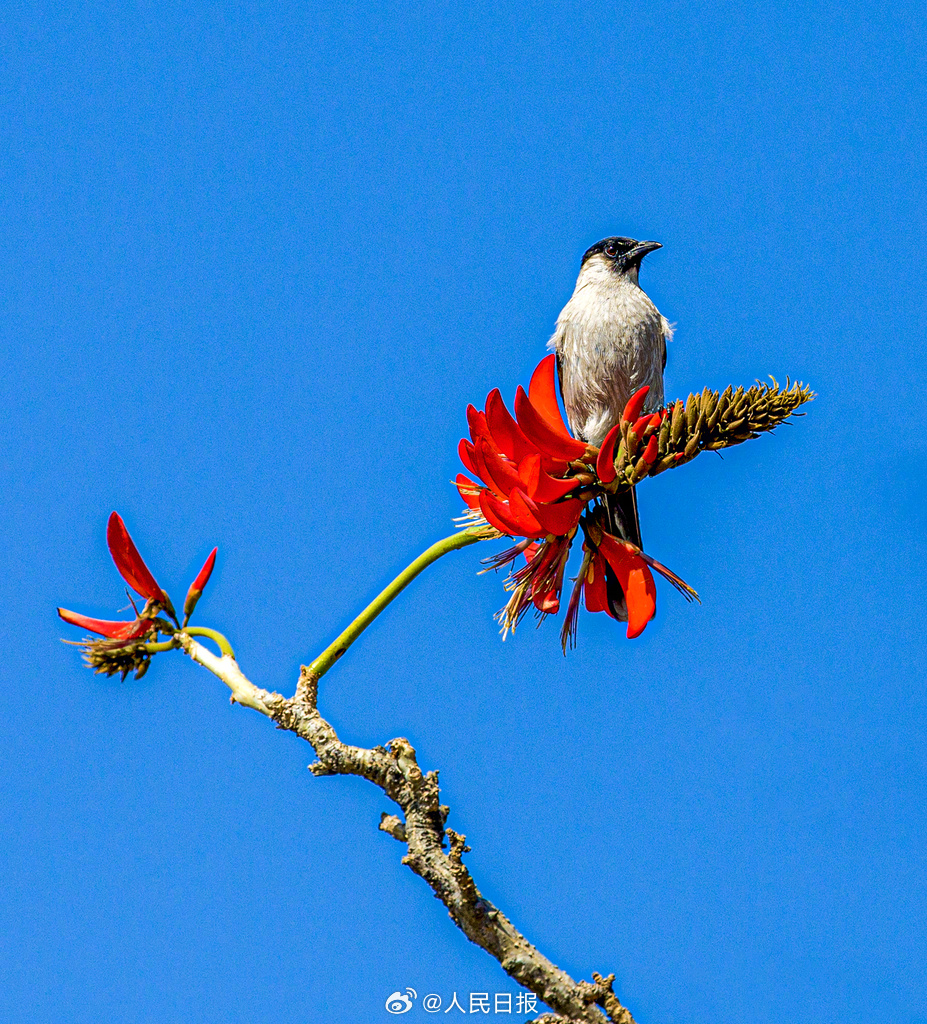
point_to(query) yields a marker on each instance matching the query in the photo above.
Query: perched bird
(610, 341)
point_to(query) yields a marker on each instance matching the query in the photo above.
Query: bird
(610, 340)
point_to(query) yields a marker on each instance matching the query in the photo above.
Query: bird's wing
(667, 336)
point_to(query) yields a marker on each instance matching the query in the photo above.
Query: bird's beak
(640, 251)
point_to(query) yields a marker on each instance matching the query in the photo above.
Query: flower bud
(635, 403)
(197, 586)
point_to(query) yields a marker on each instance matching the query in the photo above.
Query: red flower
(535, 480)
(121, 647)
(523, 462)
(635, 580)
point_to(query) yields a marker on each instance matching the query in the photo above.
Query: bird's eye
(611, 250)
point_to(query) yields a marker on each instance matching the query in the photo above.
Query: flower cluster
(540, 483)
(125, 648)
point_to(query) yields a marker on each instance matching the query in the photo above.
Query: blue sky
(256, 261)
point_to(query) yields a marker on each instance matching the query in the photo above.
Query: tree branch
(433, 851)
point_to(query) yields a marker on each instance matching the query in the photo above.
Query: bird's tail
(623, 522)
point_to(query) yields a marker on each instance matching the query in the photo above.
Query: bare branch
(392, 826)
(433, 852)
(226, 668)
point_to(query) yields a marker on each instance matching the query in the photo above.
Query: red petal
(196, 587)
(641, 595)
(548, 603)
(523, 508)
(500, 515)
(504, 474)
(640, 425)
(635, 403)
(556, 467)
(543, 393)
(129, 562)
(605, 464)
(550, 489)
(479, 429)
(506, 433)
(468, 490)
(489, 506)
(594, 589)
(539, 485)
(531, 550)
(652, 450)
(536, 428)
(558, 519)
(636, 581)
(650, 422)
(203, 575)
(114, 630)
(465, 451)
(529, 472)
(479, 467)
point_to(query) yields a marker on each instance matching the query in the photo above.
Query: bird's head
(621, 256)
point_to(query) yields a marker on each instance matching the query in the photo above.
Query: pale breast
(610, 340)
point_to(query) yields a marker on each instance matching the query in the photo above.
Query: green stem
(213, 634)
(334, 651)
(170, 645)
(164, 645)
